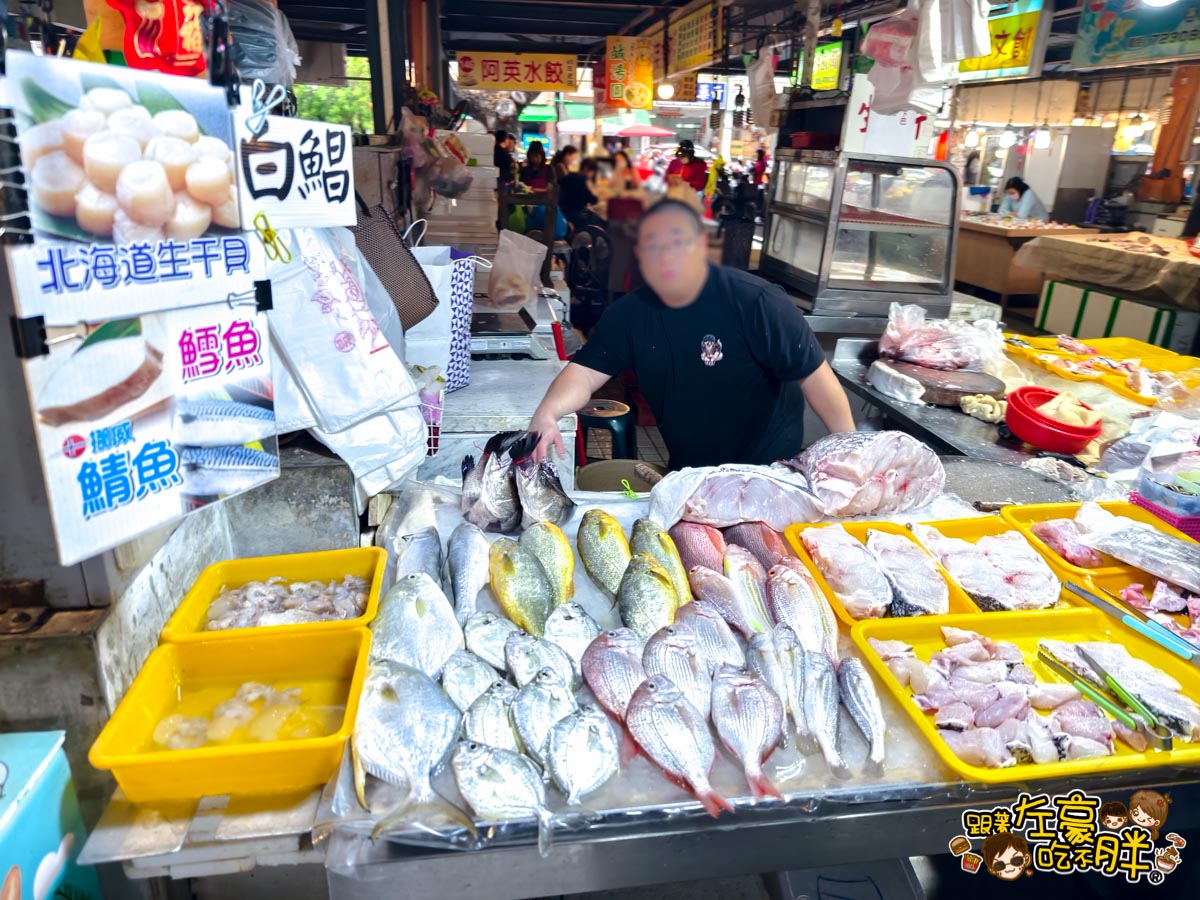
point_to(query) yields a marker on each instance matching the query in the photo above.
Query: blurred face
(1014, 194)
(673, 257)
(571, 160)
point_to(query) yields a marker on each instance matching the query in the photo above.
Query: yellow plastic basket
(328, 668)
(187, 623)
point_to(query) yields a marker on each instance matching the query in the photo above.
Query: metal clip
(260, 297)
(261, 104)
(29, 336)
(275, 248)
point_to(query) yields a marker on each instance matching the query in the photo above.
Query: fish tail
(836, 764)
(429, 810)
(360, 774)
(522, 447)
(468, 463)
(712, 802)
(545, 820)
(761, 785)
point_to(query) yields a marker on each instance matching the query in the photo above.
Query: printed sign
(630, 73)
(1017, 30)
(695, 39)
(687, 88)
(707, 91)
(906, 133)
(827, 67)
(165, 35)
(141, 420)
(1115, 32)
(517, 71)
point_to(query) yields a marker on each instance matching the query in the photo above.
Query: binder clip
(29, 336)
(260, 297)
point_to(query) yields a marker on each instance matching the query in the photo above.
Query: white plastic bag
(516, 271)
(761, 73)
(939, 343)
(292, 412)
(428, 342)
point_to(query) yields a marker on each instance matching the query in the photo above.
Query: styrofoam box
(478, 145)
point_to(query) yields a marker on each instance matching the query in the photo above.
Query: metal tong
(1139, 622)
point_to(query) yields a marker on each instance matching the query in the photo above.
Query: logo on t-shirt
(710, 350)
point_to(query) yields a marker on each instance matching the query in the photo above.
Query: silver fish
(465, 676)
(489, 721)
(486, 634)
(861, 701)
(764, 660)
(570, 627)
(715, 588)
(793, 654)
(717, 641)
(676, 737)
(221, 423)
(749, 580)
(415, 626)
(583, 752)
(537, 706)
(612, 668)
(420, 552)
(214, 471)
(406, 728)
(749, 719)
(467, 555)
(796, 601)
(646, 598)
(498, 507)
(526, 655)
(674, 651)
(541, 493)
(821, 709)
(502, 785)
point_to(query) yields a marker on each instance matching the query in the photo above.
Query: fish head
(501, 689)
(785, 638)
(658, 690)
(763, 642)
(620, 639)
(549, 678)
(471, 756)
(735, 676)
(571, 610)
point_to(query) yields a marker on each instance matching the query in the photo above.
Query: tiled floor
(650, 446)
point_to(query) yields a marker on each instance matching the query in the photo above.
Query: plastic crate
(1189, 525)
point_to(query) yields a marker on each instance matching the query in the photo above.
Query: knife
(1140, 623)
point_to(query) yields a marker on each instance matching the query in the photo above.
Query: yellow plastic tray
(1116, 347)
(1119, 577)
(187, 624)
(1024, 630)
(328, 667)
(959, 602)
(1024, 517)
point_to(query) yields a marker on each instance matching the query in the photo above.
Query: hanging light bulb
(1041, 139)
(972, 138)
(666, 91)
(1008, 138)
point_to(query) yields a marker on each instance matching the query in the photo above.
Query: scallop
(175, 155)
(126, 231)
(226, 213)
(145, 194)
(177, 123)
(55, 179)
(39, 140)
(208, 180)
(191, 218)
(77, 126)
(214, 147)
(105, 100)
(105, 156)
(94, 209)
(135, 122)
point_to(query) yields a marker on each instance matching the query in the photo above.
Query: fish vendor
(724, 358)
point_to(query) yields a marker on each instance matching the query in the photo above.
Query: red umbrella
(645, 131)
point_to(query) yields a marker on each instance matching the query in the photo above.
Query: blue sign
(707, 90)
(1115, 33)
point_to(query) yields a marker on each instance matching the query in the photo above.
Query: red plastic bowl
(1032, 427)
(1028, 399)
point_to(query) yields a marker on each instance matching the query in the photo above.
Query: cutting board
(945, 388)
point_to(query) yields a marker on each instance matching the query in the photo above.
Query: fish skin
(821, 700)
(794, 654)
(520, 585)
(797, 602)
(571, 628)
(467, 559)
(675, 652)
(862, 702)
(675, 737)
(764, 659)
(583, 752)
(537, 707)
(405, 729)
(221, 423)
(646, 598)
(526, 655)
(502, 785)
(415, 626)
(472, 484)
(538, 486)
(716, 638)
(550, 546)
(498, 507)
(213, 471)
(485, 634)
(603, 549)
(488, 719)
(698, 545)
(465, 676)
(650, 537)
(918, 589)
(760, 539)
(420, 552)
(750, 582)
(749, 719)
(612, 668)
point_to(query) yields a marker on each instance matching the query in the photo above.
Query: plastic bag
(890, 42)
(450, 177)
(1140, 545)
(263, 44)
(428, 342)
(516, 271)
(761, 75)
(939, 343)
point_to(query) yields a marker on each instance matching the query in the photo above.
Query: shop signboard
(1018, 31)
(827, 67)
(630, 73)
(906, 133)
(165, 36)
(531, 72)
(687, 88)
(1115, 33)
(707, 91)
(695, 39)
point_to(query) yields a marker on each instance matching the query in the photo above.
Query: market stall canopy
(645, 131)
(613, 126)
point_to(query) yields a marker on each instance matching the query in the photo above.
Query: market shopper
(536, 172)
(565, 162)
(1022, 201)
(686, 168)
(575, 196)
(502, 157)
(625, 176)
(725, 359)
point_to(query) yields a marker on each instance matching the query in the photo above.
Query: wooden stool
(618, 419)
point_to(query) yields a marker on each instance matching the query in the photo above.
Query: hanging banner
(1115, 33)
(695, 39)
(517, 71)
(906, 133)
(629, 73)
(144, 419)
(165, 36)
(1018, 32)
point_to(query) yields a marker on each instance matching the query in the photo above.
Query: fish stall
(690, 683)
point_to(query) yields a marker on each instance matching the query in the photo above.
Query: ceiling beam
(528, 46)
(527, 26)
(506, 11)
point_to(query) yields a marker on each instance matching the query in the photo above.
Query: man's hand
(548, 436)
(569, 391)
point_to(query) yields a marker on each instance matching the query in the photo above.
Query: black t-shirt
(721, 374)
(574, 195)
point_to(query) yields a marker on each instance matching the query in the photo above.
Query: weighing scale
(525, 332)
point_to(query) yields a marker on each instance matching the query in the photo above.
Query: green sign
(827, 67)
(1116, 32)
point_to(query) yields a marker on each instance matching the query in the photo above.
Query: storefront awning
(539, 113)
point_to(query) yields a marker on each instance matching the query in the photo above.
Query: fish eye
(651, 686)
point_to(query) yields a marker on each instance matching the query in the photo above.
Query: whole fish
(406, 727)
(796, 601)
(541, 493)
(498, 507)
(646, 598)
(489, 719)
(520, 585)
(603, 549)
(765, 661)
(467, 554)
(415, 626)
(465, 676)
(526, 655)
(420, 552)
(486, 634)
(794, 659)
(821, 700)
(675, 651)
(537, 706)
(861, 701)
(612, 668)
(214, 471)
(760, 539)
(716, 640)
(583, 752)
(570, 627)
(675, 736)
(750, 582)
(698, 545)
(221, 423)
(749, 719)
(501, 785)
(547, 542)
(715, 588)
(649, 537)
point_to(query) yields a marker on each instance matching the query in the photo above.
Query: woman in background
(575, 196)
(625, 176)
(536, 172)
(1021, 201)
(565, 161)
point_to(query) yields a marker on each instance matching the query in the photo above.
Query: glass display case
(857, 232)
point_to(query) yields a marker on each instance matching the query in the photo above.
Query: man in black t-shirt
(725, 360)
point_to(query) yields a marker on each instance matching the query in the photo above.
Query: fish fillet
(98, 378)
